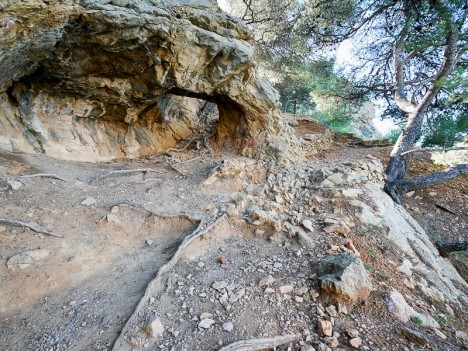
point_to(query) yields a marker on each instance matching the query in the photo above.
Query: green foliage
(446, 130)
(368, 267)
(416, 320)
(443, 320)
(394, 134)
(462, 255)
(383, 276)
(373, 254)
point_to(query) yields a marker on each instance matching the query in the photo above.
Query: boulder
(344, 277)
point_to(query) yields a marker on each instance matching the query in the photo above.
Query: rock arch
(102, 66)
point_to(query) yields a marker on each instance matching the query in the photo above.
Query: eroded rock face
(86, 79)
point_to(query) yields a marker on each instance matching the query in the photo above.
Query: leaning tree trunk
(447, 248)
(396, 185)
(397, 164)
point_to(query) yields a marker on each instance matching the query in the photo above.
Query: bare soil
(83, 293)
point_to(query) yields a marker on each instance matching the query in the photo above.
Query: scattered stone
(323, 347)
(352, 333)
(232, 211)
(220, 286)
(305, 241)
(298, 299)
(440, 334)
(89, 201)
(324, 328)
(410, 194)
(267, 281)
(461, 335)
(286, 289)
(112, 218)
(149, 242)
(344, 277)
(206, 323)
(338, 228)
(38, 254)
(154, 329)
(355, 342)
(302, 291)
(307, 224)
(115, 209)
(342, 308)
(350, 246)
(307, 348)
(331, 341)
(200, 264)
(19, 261)
(414, 336)
(269, 291)
(331, 310)
(14, 185)
(228, 326)
(206, 315)
(222, 260)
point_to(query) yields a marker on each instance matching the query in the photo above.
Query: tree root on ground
(34, 227)
(261, 344)
(124, 172)
(202, 229)
(44, 175)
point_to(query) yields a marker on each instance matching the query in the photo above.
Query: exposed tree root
(443, 208)
(33, 227)
(261, 344)
(434, 150)
(398, 187)
(446, 249)
(202, 229)
(160, 214)
(44, 175)
(169, 163)
(124, 172)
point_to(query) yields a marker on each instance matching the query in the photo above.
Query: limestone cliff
(85, 80)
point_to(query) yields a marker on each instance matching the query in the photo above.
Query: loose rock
(324, 328)
(206, 323)
(414, 336)
(344, 277)
(154, 329)
(355, 342)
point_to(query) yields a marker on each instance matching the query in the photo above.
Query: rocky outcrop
(86, 80)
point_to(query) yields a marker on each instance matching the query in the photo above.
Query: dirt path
(78, 291)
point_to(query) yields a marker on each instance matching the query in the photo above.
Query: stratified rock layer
(86, 80)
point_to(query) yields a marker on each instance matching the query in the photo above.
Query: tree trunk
(295, 106)
(446, 248)
(397, 164)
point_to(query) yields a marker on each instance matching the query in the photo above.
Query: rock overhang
(130, 54)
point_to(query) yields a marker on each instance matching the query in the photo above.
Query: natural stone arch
(120, 60)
